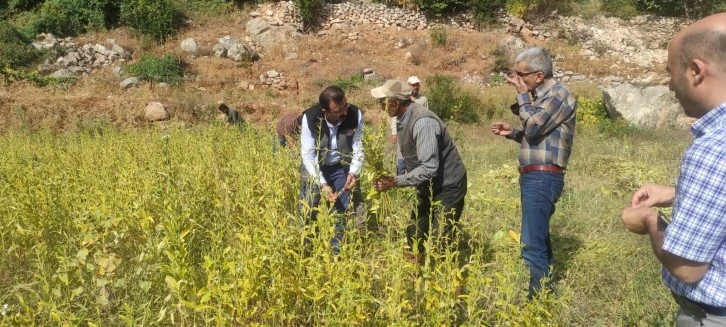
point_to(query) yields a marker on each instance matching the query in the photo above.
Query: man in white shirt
(332, 154)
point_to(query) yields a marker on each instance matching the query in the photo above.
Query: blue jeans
(540, 191)
(336, 177)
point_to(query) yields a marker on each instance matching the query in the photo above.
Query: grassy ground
(197, 226)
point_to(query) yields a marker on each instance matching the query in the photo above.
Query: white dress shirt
(309, 153)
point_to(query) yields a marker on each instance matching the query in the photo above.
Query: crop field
(199, 226)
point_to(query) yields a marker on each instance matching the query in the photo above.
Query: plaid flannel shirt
(548, 125)
(698, 229)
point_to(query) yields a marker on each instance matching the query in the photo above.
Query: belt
(546, 167)
(698, 309)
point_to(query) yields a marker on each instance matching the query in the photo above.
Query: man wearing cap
(233, 116)
(432, 162)
(332, 154)
(415, 85)
(548, 129)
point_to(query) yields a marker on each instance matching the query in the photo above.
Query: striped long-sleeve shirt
(548, 125)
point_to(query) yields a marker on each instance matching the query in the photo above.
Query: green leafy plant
(71, 17)
(450, 102)
(168, 69)
(439, 36)
(158, 19)
(311, 11)
(10, 76)
(619, 8)
(15, 49)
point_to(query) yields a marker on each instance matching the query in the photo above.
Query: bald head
(704, 40)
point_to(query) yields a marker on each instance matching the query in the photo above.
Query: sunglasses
(524, 74)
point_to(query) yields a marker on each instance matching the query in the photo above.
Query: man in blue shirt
(692, 247)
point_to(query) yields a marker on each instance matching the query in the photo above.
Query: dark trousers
(442, 221)
(540, 191)
(336, 177)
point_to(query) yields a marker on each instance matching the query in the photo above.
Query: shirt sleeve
(308, 153)
(358, 155)
(699, 218)
(425, 134)
(394, 125)
(547, 115)
(517, 135)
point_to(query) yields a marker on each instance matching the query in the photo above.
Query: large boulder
(156, 111)
(649, 107)
(510, 46)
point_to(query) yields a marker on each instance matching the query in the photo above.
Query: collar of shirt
(714, 118)
(543, 89)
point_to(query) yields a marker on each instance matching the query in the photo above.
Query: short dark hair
(332, 93)
(709, 45)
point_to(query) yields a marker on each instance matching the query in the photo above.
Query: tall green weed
(451, 102)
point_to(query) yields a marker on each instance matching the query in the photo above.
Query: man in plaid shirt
(692, 248)
(548, 129)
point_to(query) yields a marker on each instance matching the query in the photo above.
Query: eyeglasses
(342, 112)
(524, 74)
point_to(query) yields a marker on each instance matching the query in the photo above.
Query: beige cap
(414, 80)
(392, 88)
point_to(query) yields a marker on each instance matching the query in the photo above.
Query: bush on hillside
(619, 8)
(158, 19)
(15, 6)
(72, 17)
(15, 49)
(167, 69)
(450, 102)
(311, 12)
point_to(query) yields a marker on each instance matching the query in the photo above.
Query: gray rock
(257, 26)
(162, 85)
(62, 73)
(272, 74)
(219, 50)
(510, 46)
(117, 71)
(369, 77)
(156, 111)
(100, 49)
(367, 71)
(650, 107)
(46, 68)
(121, 51)
(189, 45)
(240, 52)
(227, 42)
(129, 82)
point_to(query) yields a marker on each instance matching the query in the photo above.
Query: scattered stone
(129, 83)
(117, 70)
(272, 74)
(367, 71)
(219, 50)
(189, 45)
(156, 111)
(62, 73)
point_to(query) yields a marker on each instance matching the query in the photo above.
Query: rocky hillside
(258, 60)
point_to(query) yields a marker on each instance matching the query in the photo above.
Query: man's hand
(394, 138)
(350, 182)
(639, 219)
(384, 183)
(653, 195)
(518, 83)
(326, 192)
(501, 128)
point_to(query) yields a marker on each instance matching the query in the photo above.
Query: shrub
(590, 111)
(14, 6)
(311, 11)
(167, 69)
(72, 17)
(450, 102)
(439, 36)
(15, 50)
(155, 18)
(619, 8)
(501, 62)
(348, 84)
(683, 8)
